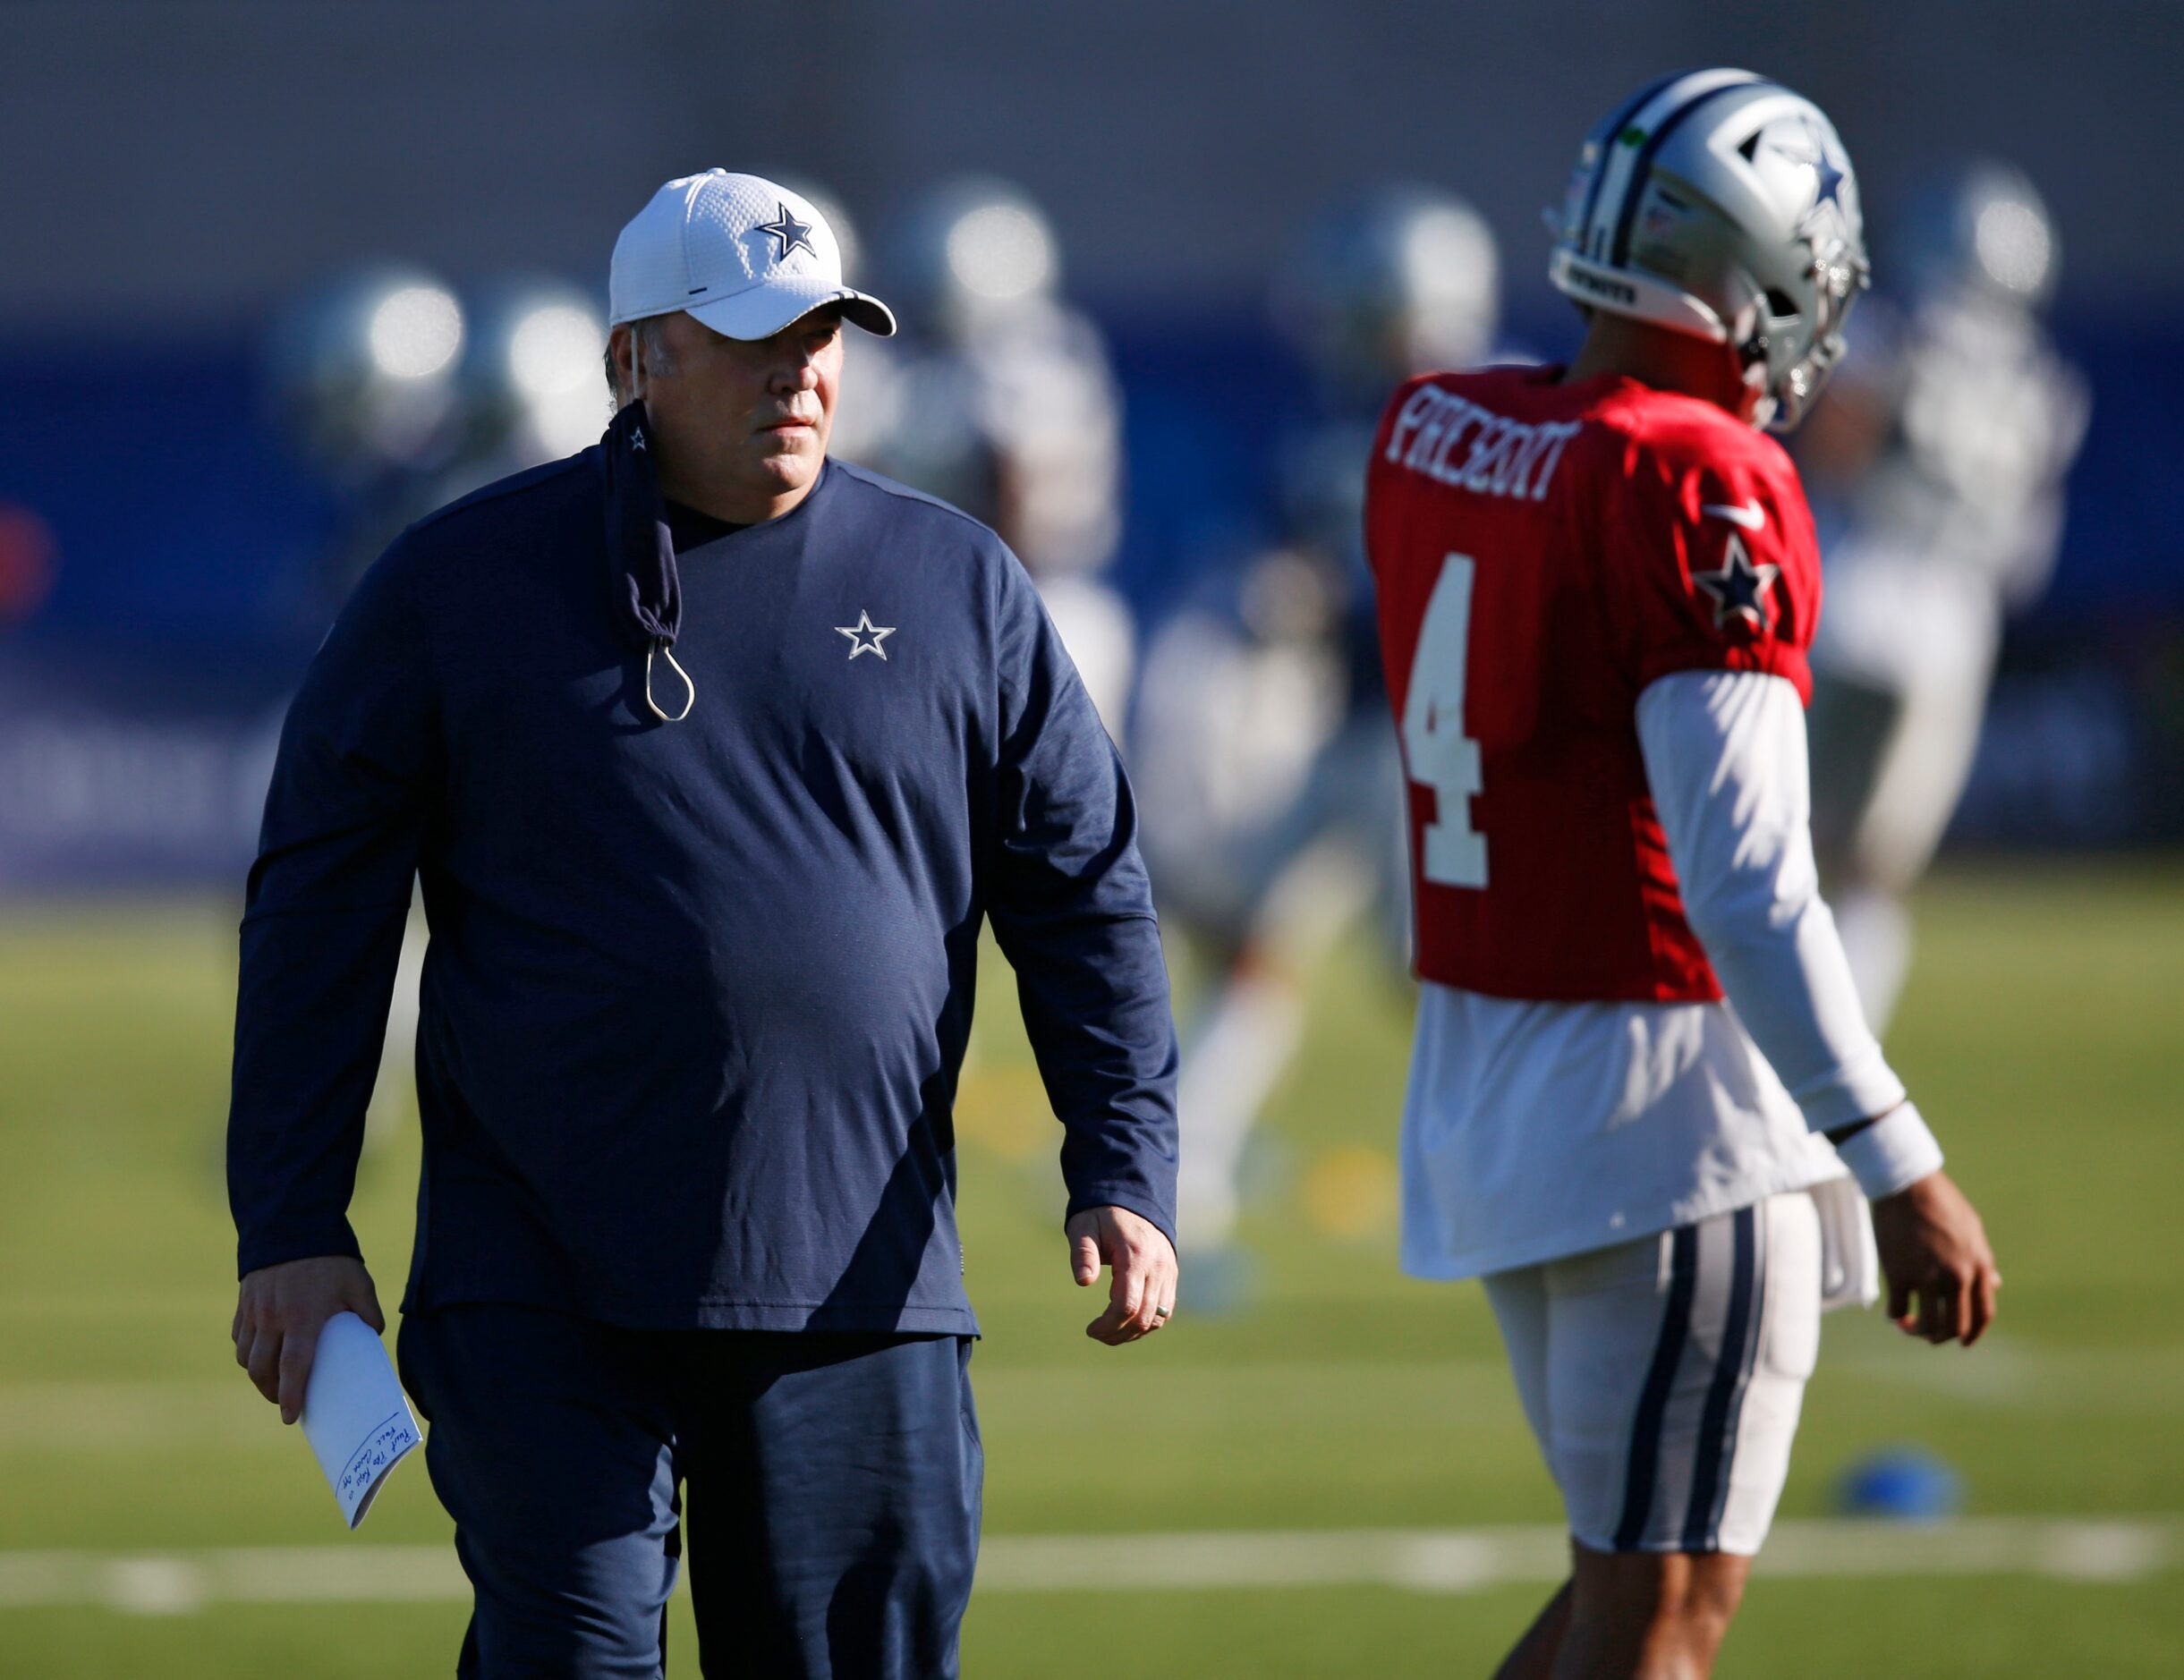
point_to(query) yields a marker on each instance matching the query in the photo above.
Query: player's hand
(1142, 1292)
(281, 1311)
(1941, 1272)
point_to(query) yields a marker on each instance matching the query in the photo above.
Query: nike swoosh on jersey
(1751, 516)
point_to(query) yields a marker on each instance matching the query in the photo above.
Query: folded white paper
(355, 1415)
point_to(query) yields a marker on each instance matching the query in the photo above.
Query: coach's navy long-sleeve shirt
(696, 994)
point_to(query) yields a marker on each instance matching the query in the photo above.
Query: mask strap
(659, 646)
(690, 689)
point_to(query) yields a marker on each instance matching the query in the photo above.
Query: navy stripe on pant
(832, 1480)
(1644, 1470)
(1684, 1428)
(1710, 1469)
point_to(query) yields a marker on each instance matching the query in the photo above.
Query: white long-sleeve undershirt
(1536, 1130)
(1725, 757)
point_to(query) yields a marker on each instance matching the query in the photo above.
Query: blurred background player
(530, 379)
(1268, 773)
(402, 398)
(1937, 472)
(1001, 400)
(401, 395)
(361, 376)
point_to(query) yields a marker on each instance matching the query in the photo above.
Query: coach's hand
(1941, 1272)
(1142, 1292)
(280, 1313)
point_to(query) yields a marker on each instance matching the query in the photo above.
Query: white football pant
(1663, 1377)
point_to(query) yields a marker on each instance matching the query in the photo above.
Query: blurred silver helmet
(362, 370)
(1982, 228)
(1720, 204)
(1399, 280)
(974, 250)
(532, 379)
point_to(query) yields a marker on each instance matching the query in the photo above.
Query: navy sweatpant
(833, 1483)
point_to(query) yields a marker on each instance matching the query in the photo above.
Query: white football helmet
(1399, 280)
(361, 372)
(973, 252)
(530, 373)
(1980, 230)
(1720, 204)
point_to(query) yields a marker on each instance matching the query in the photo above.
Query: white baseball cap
(743, 255)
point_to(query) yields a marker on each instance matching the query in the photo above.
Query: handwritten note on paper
(368, 1464)
(355, 1415)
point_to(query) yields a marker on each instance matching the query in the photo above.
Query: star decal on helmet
(788, 232)
(1827, 178)
(1739, 589)
(1831, 188)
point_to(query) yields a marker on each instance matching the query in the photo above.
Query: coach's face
(742, 424)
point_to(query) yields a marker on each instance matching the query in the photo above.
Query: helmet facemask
(1789, 351)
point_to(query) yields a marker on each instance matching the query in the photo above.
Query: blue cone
(1908, 1483)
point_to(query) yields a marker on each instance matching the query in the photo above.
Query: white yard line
(1460, 1560)
(1420, 1560)
(98, 1416)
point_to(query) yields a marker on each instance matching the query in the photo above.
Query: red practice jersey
(1543, 552)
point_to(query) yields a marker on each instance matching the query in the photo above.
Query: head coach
(712, 755)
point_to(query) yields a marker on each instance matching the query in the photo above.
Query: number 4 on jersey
(1435, 749)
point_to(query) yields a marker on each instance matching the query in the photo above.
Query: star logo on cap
(1739, 588)
(789, 233)
(864, 636)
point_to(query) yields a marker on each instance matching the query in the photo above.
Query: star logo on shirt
(864, 636)
(636, 439)
(789, 233)
(1739, 588)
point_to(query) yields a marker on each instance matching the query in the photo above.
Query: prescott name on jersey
(1543, 551)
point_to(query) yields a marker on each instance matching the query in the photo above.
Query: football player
(1260, 742)
(1943, 462)
(1003, 402)
(361, 376)
(1643, 1096)
(370, 376)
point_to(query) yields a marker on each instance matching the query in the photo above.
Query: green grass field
(2041, 1035)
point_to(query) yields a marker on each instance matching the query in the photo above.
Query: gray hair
(653, 356)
